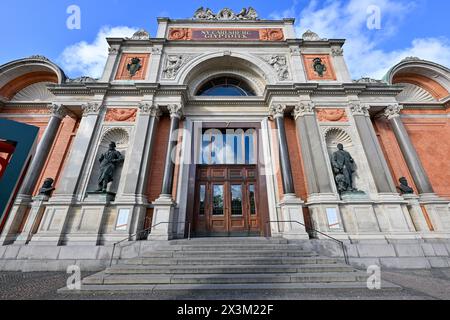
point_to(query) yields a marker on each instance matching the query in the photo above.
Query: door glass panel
(251, 196)
(218, 200)
(236, 200)
(202, 199)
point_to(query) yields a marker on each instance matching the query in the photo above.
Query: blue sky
(417, 27)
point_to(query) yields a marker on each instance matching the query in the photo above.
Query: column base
(33, 220)
(292, 213)
(163, 217)
(12, 226)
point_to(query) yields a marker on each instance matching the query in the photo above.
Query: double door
(226, 201)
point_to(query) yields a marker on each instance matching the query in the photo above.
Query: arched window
(226, 86)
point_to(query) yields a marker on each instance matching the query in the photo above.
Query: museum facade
(226, 125)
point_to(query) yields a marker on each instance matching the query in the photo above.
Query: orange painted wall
(429, 137)
(431, 140)
(59, 152)
(61, 146)
(392, 152)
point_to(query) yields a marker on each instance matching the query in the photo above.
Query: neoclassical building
(227, 125)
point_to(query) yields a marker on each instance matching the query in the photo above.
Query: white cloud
(88, 59)
(363, 50)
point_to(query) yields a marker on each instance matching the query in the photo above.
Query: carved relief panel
(319, 67)
(133, 66)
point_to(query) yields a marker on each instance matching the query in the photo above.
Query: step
(227, 269)
(259, 287)
(228, 253)
(230, 261)
(235, 247)
(227, 278)
(225, 240)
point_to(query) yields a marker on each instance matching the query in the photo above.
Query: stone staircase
(226, 264)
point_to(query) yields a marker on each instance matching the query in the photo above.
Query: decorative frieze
(121, 115)
(393, 111)
(173, 65)
(231, 34)
(277, 111)
(331, 115)
(225, 14)
(279, 63)
(302, 109)
(358, 109)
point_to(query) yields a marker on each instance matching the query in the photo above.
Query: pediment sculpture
(225, 14)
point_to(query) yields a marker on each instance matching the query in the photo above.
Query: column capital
(58, 110)
(150, 109)
(358, 109)
(303, 108)
(393, 111)
(176, 110)
(91, 108)
(277, 111)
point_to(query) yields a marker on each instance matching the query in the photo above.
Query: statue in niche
(108, 162)
(134, 66)
(319, 67)
(404, 187)
(343, 169)
(47, 187)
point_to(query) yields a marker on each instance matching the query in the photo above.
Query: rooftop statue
(225, 14)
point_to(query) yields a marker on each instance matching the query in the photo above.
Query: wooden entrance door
(226, 201)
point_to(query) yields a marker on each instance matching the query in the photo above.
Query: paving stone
(440, 249)
(439, 262)
(11, 252)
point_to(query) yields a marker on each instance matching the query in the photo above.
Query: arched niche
(333, 137)
(121, 137)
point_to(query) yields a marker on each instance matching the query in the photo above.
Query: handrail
(144, 231)
(344, 249)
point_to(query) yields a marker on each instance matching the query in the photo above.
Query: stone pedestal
(53, 223)
(33, 220)
(18, 212)
(292, 210)
(417, 215)
(163, 217)
(326, 216)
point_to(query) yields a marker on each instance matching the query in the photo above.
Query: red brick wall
(157, 160)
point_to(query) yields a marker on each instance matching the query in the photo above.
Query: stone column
(137, 174)
(78, 154)
(164, 206)
(277, 114)
(23, 200)
(377, 162)
(415, 166)
(321, 195)
(58, 208)
(293, 225)
(314, 161)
